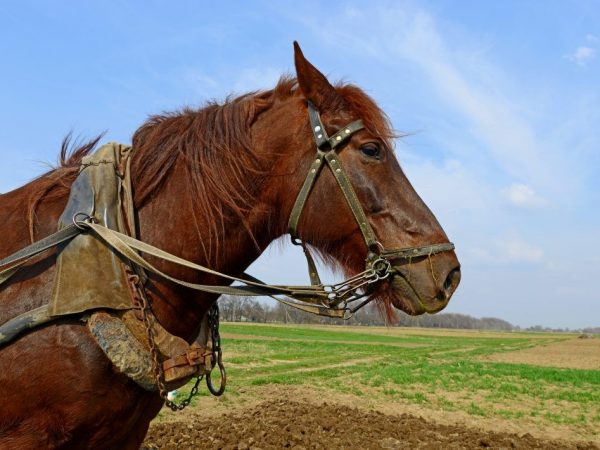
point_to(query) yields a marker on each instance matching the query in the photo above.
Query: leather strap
(193, 357)
(23, 322)
(126, 246)
(415, 252)
(20, 258)
(315, 305)
(359, 214)
(326, 154)
(326, 146)
(325, 311)
(313, 275)
(345, 133)
(316, 126)
(313, 173)
(323, 141)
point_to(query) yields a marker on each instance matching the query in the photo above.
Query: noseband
(379, 260)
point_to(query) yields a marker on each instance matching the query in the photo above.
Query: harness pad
(89, 275)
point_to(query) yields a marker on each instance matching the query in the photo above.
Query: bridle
(378, 263)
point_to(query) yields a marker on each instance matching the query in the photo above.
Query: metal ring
(82, 224)
(377, 246)
(384, 268)
(209, 385)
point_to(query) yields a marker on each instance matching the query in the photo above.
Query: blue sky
(500, 100)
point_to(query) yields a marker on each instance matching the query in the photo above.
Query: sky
(499, 101)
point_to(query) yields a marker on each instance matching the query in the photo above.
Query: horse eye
(371, 150)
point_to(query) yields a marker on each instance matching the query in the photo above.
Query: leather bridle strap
(415, 252)
(327, 155)
(340, 175)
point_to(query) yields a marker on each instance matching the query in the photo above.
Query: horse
(215, 186)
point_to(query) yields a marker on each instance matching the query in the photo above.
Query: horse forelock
(374, 118)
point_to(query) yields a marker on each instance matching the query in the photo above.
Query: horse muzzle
(425, 286)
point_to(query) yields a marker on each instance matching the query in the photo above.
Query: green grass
(433, 370)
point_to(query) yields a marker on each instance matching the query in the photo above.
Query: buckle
(193, 357)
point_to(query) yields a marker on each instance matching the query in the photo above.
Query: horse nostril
(451, 282)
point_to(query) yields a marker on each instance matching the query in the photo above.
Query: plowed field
(340, 387)
(295, 425)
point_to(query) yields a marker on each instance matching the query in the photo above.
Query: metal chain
(185, 403)
(213, 324)
(217, 352)
(141, 299)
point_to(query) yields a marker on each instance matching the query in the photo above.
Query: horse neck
(169, 221)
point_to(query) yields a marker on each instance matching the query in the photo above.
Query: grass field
(445, 375)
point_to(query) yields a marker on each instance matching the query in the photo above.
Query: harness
(168, 358)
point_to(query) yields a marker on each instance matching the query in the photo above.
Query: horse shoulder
(30, 287)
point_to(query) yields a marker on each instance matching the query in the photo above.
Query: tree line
(246, 309)
(242, 309)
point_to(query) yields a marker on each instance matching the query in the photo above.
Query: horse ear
(313, 84)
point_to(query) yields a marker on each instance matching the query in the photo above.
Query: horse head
(397, 216)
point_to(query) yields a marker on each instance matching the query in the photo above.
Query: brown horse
(214, 186)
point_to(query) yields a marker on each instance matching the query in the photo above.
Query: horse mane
(57, 181)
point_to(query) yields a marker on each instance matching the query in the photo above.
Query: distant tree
(236, 309)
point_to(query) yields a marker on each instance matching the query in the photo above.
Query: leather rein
(340, 300)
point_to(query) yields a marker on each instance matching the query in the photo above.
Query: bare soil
(277, 424)
(571, 353)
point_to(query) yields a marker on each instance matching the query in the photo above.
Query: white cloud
(464, 81)
(438, 185)
(492, 114)
(523, 196)
(245, 80)
(582, 55)
(200, 78)
(200, 83)
(515, 249)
